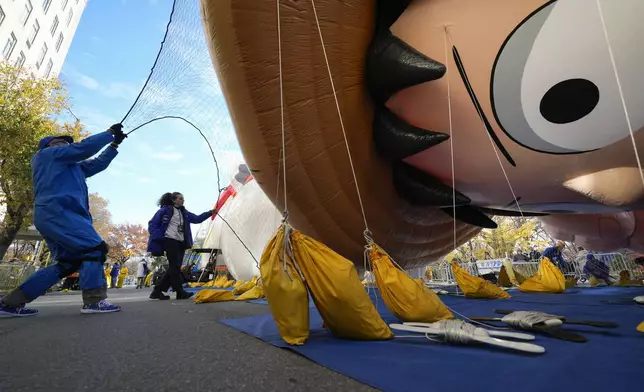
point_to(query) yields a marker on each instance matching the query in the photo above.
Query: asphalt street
(149, 346)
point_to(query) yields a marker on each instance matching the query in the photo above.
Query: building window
(69, 16)
(8, 48)
(2, 15)
(48, 68)
(54, 26)
(21, 60)
(41, 56)
(34, 32)
(59, 41)
(45, 5)
(26, 13)
(64, 4)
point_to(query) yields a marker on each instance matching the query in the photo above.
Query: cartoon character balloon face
(533, 88)
(536, 112)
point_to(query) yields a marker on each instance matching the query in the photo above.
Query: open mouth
(392, 66)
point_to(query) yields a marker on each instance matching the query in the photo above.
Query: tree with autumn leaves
(125, 240)
(27, 108)
(512, 233)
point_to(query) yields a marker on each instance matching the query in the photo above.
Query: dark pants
(113, 281)
(174, 251)
(140, 282)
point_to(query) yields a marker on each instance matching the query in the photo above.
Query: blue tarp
(613, 359)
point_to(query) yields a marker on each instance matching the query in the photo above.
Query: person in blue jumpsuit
(553, 253)
(598, 269)
(114, 274)
(61, 215)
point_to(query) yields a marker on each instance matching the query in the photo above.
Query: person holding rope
(170, 234)
(60, 168)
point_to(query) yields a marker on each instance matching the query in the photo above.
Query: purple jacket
(159, 224)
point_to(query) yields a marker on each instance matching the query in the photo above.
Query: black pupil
(569, 101)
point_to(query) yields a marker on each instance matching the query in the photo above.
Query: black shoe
(158, 295)
(184, 295)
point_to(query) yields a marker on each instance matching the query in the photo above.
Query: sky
(109, 60)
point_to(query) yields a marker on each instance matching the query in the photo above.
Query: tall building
(37, 34)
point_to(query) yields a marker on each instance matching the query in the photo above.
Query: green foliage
(511, 233)
(27, 109)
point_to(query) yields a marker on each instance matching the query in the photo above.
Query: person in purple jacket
(170, 234)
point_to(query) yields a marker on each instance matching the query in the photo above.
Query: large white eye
(553, 85)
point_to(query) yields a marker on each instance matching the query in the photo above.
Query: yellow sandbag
(195, 284)
(285, 292)
(254, 280)
(593, 281)
(243, 288)
(228, 284)
(148, 280)
(512, 276)
(222, 282)
(406, 298)
(548, 279)
(640, 327)
(221, 279)
(475, 287)
(429, 274)
(626, 281)
(209, 295)
(504, 279)
(256, 292)
(571, 282)
(339, 296)
(238, 283)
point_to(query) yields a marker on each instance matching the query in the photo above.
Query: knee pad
(103, 248)
(73, 265)
(67, 267)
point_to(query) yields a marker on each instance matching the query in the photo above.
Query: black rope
(212, 153)
(72, 113)
(202, 135)
(167, 29)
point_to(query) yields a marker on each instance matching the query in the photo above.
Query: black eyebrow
(477, 106)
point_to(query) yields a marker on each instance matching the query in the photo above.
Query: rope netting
(183, 85)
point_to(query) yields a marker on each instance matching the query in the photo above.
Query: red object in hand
(230, 191)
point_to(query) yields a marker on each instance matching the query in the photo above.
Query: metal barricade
(442, 274)
(11, 275)
(525, 268)
(617, 263)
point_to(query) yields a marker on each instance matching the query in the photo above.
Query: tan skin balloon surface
(532, 89)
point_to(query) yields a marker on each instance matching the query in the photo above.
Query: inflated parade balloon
(252, 216)
(451, 108)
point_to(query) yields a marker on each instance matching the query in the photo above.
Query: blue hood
(46, 140)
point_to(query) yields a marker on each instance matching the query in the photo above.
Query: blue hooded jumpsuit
(61, 215)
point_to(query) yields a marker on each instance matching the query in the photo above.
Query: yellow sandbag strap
(406, 298)
(238, 283)
(284, 290)
(208, 295)
(475, 287)
(256, 292)
(338, 294)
